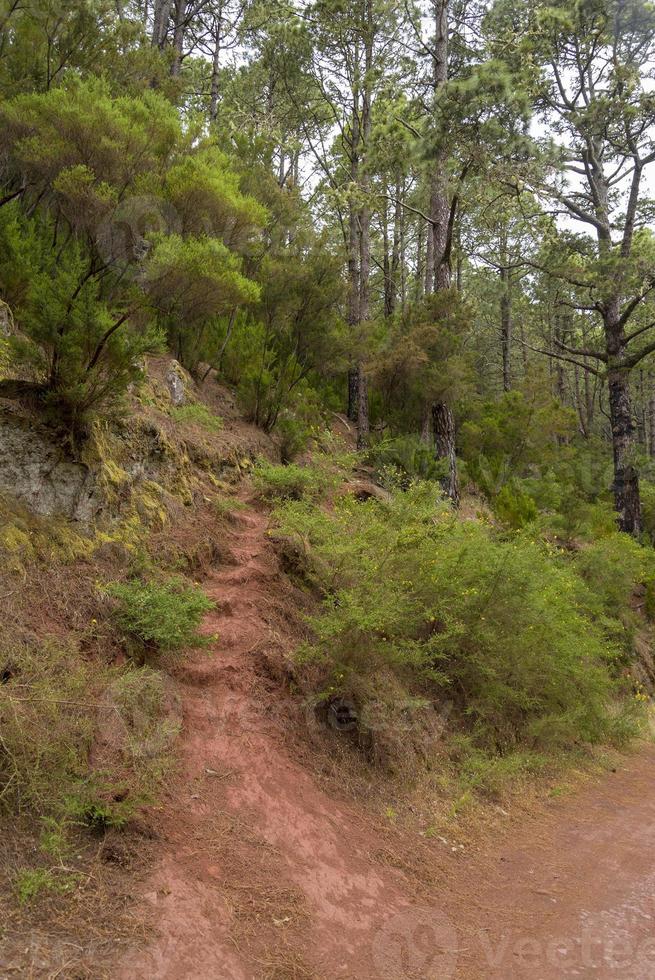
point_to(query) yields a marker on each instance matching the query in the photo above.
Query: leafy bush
(296, 482)
(160, 616)
(647, 491)
(514, 506)
(290, 482)
(614, 568)
(410, 457)
(496, 626)
(47, 711)
(293, 435)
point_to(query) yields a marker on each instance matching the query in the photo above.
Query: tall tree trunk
(428, 280)
(161, 17)
(386, 261)
(651, 414)
(178, 36)
(216, 64)
(560, 375)
(439, 205)
(397, 256)
(427, 433)
(506, 326)
(626, 477)
(444, 441)
(438, 252)
(354, 254)
(642, 433)
(282, 164)
(420, 270)
(365, 226)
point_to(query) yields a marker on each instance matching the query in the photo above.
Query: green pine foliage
(159, 617)
(505, 630)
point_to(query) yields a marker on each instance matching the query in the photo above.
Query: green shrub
(160, 617)
(198, 414)
(47, 712)
(296, 482)
(488, 774)
(293, 434)
(331, 463)
(496, 626)
(290, 482)
(613, 567)
(514, 506)
(410, 457)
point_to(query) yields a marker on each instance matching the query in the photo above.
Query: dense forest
(413, 245)
(436, 219)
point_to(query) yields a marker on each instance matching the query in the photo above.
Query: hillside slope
(260, 872)
(268, 850)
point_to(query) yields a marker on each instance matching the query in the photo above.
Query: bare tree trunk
(426, 424)
(420, 271)
(216, 64)
(641, 418)
(389, 296)
(353, 254)
(161, 18)
(506, 326)
(439, 205)
(444, 442)
(626, 477)
(438, 253)
(178, 36)
(580, 403)
(365, 228)
(560, 377)
(651, 414)
(281, 168)
(429, 258)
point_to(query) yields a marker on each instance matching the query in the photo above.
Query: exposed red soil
(262, 874)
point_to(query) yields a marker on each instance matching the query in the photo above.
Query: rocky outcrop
(176, 381)
(35, 470)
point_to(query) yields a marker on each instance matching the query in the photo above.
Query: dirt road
(262, 875)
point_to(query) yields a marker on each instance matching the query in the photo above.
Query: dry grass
(80, 933)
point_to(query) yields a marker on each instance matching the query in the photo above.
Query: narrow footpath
(261, 875)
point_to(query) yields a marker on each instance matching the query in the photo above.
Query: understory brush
(81, 744)
(159, 617)
(500, 633)
(196, 412)
(296, 481)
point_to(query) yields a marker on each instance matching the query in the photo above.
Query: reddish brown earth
(264, 874)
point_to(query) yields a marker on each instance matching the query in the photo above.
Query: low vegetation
(159, 617)
(81, 745)
(522, 644)
(198, 414)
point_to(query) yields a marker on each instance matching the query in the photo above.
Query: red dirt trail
(261, 875)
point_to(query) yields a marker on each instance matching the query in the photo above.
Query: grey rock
(176, 384)
(36, 471)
